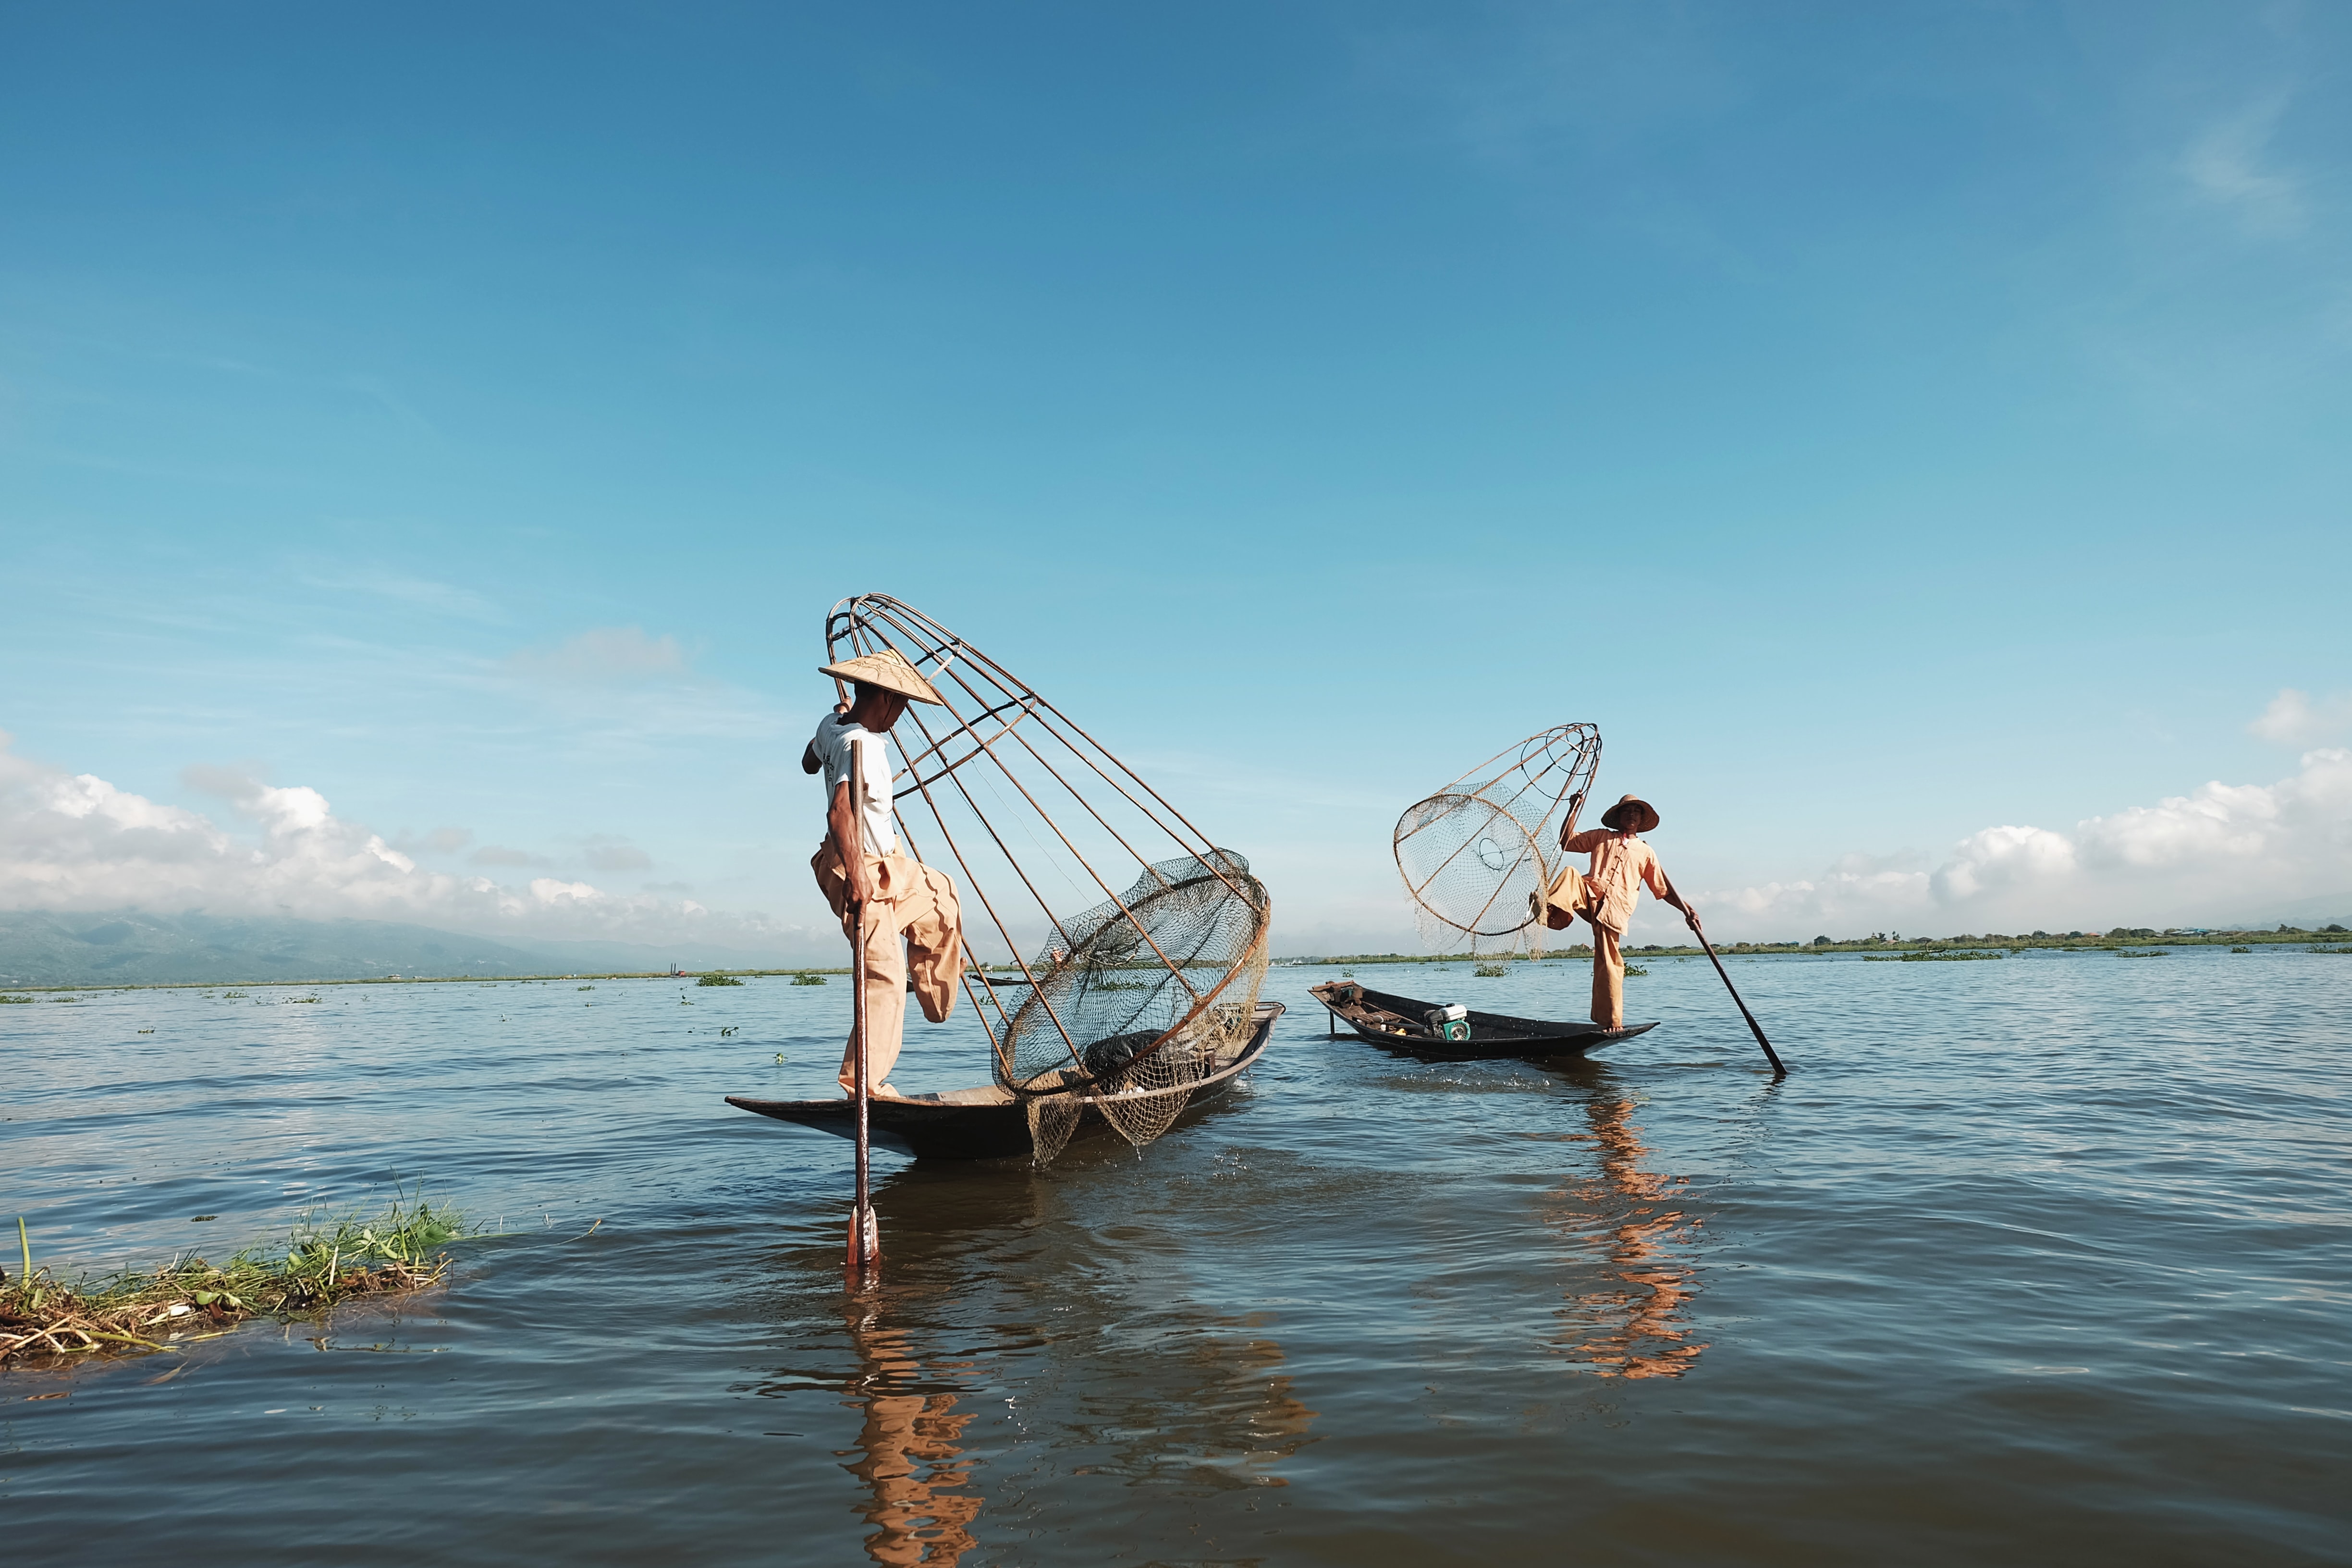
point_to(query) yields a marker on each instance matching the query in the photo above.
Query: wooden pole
(863, 1257)
(1753, 1026)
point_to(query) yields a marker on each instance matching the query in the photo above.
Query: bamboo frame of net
(1550, 773)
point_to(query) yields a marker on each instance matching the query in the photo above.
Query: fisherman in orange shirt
(1605, 895)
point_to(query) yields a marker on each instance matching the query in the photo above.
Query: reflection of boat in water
(992, 1122)
(1632, 1324)
(1401, 1023)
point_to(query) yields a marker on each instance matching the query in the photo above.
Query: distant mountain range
(133, 947)
(2330, 908)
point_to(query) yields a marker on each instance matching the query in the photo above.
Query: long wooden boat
(988, 1122)
(1400, 1023)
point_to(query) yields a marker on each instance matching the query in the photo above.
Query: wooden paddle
(1753, 1026)
(862, 1261)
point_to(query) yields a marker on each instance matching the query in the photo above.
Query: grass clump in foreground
(716, 978)
(189, 1298)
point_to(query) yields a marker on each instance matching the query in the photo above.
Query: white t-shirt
(834, 731)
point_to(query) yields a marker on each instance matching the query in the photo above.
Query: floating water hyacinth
(323, 1265)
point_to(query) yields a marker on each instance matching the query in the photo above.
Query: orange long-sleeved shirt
(1621, 864)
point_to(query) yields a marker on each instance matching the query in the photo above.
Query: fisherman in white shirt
(911, 913)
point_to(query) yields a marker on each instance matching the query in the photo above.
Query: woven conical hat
(886, 668)
(1644, 815)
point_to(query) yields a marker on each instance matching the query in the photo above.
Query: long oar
(863, 1258)
(1753, 1026)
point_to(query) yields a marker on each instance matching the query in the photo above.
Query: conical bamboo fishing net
(1474, 852)
(1115, 954)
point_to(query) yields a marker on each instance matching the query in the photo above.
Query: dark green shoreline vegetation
(321, 1266)
(1986, 946)
(1888, 947)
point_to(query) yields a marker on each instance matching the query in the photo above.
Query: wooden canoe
(1398, 1022)
(987, 1122)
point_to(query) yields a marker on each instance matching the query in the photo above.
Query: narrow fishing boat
(1407, 1024)
(990, 1122)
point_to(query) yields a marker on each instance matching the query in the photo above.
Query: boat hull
(987, 1124)
(1393, 1021)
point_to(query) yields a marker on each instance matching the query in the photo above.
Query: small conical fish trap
(1473, 854)
(1115, 952)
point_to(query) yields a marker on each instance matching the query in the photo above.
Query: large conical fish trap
(1115, 954)
(1473, 854)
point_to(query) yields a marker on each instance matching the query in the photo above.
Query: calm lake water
(2041, 1260)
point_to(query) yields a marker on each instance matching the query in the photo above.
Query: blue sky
(1886, 423)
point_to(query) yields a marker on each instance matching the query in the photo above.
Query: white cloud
(420, 593)
(2218, 852)
(609, 854)
(77, 842)
(2224, 166)
(2293, 719)
(605, 655)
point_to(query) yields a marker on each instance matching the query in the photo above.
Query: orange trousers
(1608, 978)
(914, 918)
(1571, 894)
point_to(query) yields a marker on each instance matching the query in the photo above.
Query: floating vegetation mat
(190, 1299)
(1931, 957)
(714, 978)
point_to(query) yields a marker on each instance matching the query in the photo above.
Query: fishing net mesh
(1473, 855)
(1150, 993)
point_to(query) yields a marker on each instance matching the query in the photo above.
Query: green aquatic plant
(1930, 957)
(2157, 953)
(323, 1262)
(1489, 971)
(26, 999)
(2241, 949)
(714, 978)
(1635, 969)
(805, 979)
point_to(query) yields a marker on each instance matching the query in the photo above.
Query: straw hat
(886, 668)
(1644, 815)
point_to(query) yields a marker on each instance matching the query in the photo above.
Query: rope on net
(1123, 1006)
(1474, 854)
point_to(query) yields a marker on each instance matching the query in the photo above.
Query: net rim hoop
(1544, 870)
(1258, 944)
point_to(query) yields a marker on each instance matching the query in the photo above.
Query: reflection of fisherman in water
(1632, 1326)
(906, 1451)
